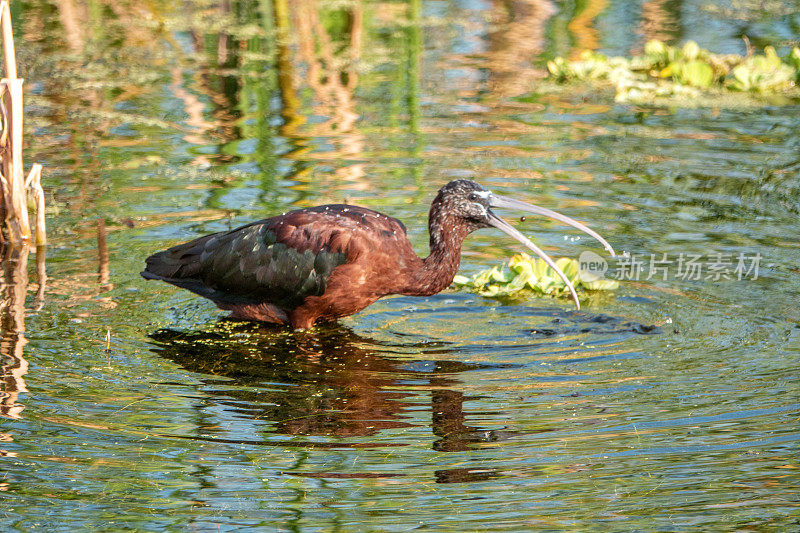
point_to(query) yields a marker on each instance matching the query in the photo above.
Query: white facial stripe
(483, 194)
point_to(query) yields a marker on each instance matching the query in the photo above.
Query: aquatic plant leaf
(492, 290)
(696, 73)
(521, 263)
(569, 267)
(498, 274)
(763, 73)
(794, 61)
(559, 69)
(520, 282)
(528, 274)
(482, 279)
(540, 270)
(656, 53)
(691, 51)
(461, 280)
(601, 285)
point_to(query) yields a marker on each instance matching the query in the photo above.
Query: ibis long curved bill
(504, 226)
(510, 203)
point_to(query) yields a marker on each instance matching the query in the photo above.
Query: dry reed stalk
(34, 183)
(12, 179)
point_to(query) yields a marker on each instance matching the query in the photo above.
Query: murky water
(669, 405)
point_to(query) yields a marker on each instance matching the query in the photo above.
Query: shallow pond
(670, 404)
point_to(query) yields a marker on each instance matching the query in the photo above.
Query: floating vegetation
(527, 274)
(682, 74)
(767, 72)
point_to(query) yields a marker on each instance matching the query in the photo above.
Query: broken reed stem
(12, 179)
(34, 183)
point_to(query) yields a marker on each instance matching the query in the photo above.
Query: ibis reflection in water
(329, 382)
(260, 385)
(330, 261)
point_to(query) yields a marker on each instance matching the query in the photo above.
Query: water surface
(671, 404)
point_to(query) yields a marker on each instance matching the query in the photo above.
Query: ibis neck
(437, 271)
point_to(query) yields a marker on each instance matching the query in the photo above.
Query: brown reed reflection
(13, 290)
(661, 19)
(324, 383)
(515, 42)
(316, 59)
(332, 73)
(103, 271)
(582, 26)
(329, 382)
(89, 282)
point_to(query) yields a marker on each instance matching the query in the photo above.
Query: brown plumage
(326, 262)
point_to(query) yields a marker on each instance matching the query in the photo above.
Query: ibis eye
(472, 197)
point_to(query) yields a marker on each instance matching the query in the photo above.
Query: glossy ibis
(330, 261)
